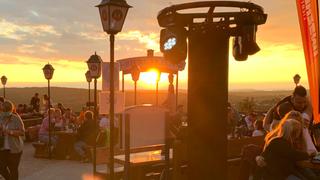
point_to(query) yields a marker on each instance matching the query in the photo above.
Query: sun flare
(150, 77)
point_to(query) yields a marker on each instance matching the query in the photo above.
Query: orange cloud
(18, 32)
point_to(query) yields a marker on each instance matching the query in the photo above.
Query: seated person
(280, 153)
(44, 129)
(80, 118)
(258, 129)
(232, 120)
(61, 107)
(86, 135)
(69, 117)
(58, 120)
(250, 119)
(284, 146)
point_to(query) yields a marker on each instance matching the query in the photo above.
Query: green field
(76, 98)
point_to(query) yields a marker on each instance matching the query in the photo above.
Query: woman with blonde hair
(284, 146)
(299, 143)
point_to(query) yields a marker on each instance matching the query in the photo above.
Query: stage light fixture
(173, 44)
(245, 44)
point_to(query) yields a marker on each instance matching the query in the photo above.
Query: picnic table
(64, 147)
(308, 164)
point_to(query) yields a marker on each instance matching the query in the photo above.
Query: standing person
(13, 130)
(35, 103)
(298, 101)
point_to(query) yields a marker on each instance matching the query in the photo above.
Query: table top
(65, 132)
(143, 158)
(308, 164)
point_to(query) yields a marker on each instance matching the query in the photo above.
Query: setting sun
(149, 78)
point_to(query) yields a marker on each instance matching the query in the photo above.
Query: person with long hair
(284, 146)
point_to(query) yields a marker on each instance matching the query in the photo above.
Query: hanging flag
(309, 26)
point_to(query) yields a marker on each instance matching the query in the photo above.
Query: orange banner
(309, 26)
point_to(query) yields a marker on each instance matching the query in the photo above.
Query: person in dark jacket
(298, 101)
(86, 135)
(35, 102)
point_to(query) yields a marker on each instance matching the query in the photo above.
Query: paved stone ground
(43, 169)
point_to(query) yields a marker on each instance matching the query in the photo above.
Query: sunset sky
(66, 32)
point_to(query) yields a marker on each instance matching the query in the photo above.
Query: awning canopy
(145, 63)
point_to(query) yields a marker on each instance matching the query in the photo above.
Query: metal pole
(4, 91)
(177, 89)
(111, 165)
(157, 93)
(135, 92)
(95, 130)
(89, 97)
(49, 116)
(122, 81)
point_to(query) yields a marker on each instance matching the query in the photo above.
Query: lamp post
(48, 73)
(89, 79)
(4, 82)
(135, 74)
(112, 14)
(94, 65)
(157, 88)
(296, 79)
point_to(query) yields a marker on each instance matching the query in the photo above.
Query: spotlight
(173, 44)
(249, 39)
(245, 44)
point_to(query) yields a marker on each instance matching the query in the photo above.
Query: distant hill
(76, 98)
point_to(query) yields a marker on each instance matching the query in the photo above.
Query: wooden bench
(41, 150)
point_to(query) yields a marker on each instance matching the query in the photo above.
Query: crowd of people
(289, 138)
(286, 127)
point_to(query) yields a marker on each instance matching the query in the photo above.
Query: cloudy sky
(66, 33)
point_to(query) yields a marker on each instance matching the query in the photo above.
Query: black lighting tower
(208, 36)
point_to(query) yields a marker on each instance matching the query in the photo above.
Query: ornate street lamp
(113, 14)
(135, 74)
(4, 82)
(89, 79)
(48, 73)
(296, 79)
(94, 65)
